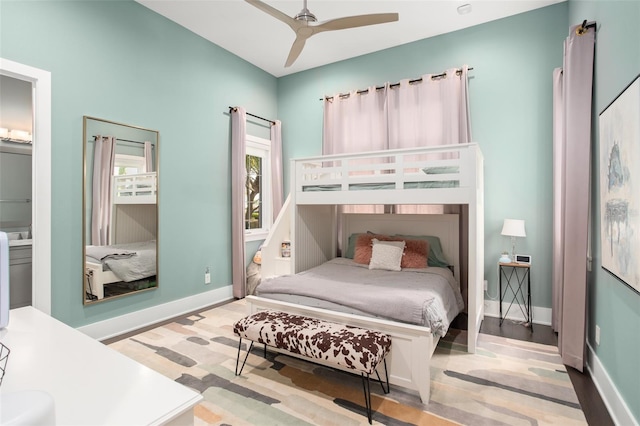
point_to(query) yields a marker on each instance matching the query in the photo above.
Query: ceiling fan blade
(356, 21)
(293, 23)
(296, 49)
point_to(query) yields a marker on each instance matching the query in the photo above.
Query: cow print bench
(332, 344)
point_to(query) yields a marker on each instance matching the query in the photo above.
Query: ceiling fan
(302, 24)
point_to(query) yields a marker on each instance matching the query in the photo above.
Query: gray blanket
(428, 297)
(108, 252)
(141, 264)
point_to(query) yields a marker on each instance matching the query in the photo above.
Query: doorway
(40, 81)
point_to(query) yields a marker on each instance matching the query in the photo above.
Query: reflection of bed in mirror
(131, 259)
(132, 264)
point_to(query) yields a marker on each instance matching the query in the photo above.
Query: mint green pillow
(436, 255)
(351, 245)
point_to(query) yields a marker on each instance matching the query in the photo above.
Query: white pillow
(386, 255)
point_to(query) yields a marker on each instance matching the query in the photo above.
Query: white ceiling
(262, 40)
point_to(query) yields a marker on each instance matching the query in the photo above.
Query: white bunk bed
(135, 189)
(136, 224)
(438, 175)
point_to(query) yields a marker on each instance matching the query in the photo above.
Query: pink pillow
(416, 253)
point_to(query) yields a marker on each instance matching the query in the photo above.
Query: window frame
(261, 147)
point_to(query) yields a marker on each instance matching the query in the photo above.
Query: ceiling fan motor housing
(305, 15)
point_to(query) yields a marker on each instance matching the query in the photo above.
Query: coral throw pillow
(416, 253)
(364, 247)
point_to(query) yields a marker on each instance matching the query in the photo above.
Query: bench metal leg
(366, 386)
(386, 376)
(367, 395)
(245, 357)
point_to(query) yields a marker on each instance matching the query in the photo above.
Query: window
(128, 165)
(257, 204)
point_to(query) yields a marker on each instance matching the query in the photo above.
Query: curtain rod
(121, 140)
(415, 80)
(584, 27)
(253, 115)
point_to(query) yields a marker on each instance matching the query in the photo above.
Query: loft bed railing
(135, 189)
(445, 174)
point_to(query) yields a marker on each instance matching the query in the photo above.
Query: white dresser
(90, 383)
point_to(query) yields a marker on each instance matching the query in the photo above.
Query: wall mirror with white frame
(120, 202)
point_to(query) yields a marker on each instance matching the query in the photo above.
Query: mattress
(428, 297)
(130, 262)
(376, 186)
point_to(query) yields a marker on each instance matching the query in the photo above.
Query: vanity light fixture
(464, 9)
(21, 136)
(513, 228)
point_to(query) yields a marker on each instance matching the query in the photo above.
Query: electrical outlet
(486, 285)
(207, 276)
(597, 335)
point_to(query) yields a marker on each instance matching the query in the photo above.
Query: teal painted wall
(510, 97)
(119, 61)
(613, 306)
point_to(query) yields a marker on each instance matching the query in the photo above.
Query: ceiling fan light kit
(302, 24)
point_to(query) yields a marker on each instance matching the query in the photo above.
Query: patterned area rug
(507, 382)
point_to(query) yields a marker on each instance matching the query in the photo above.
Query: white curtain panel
(356, 123)
(558, 196)
(238, 177)
(572, 143)
(433, 111)
(276, 168)
(104, 155)
(148, 157)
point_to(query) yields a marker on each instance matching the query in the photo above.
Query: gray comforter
(130, 262)
(428, 297)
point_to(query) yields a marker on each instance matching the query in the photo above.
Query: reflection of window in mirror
(257, 204)
(128, 165)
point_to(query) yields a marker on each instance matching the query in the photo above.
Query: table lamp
(513, 228)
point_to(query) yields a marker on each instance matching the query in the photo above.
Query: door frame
(41, 178)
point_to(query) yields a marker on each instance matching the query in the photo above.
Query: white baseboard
(618, 408)
(541, 316)
(112, 327)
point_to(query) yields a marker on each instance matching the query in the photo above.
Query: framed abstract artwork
(620, 186)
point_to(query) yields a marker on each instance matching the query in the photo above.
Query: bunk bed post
(475, 250)
(293, 212)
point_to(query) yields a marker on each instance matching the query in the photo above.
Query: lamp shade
(513, 228)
